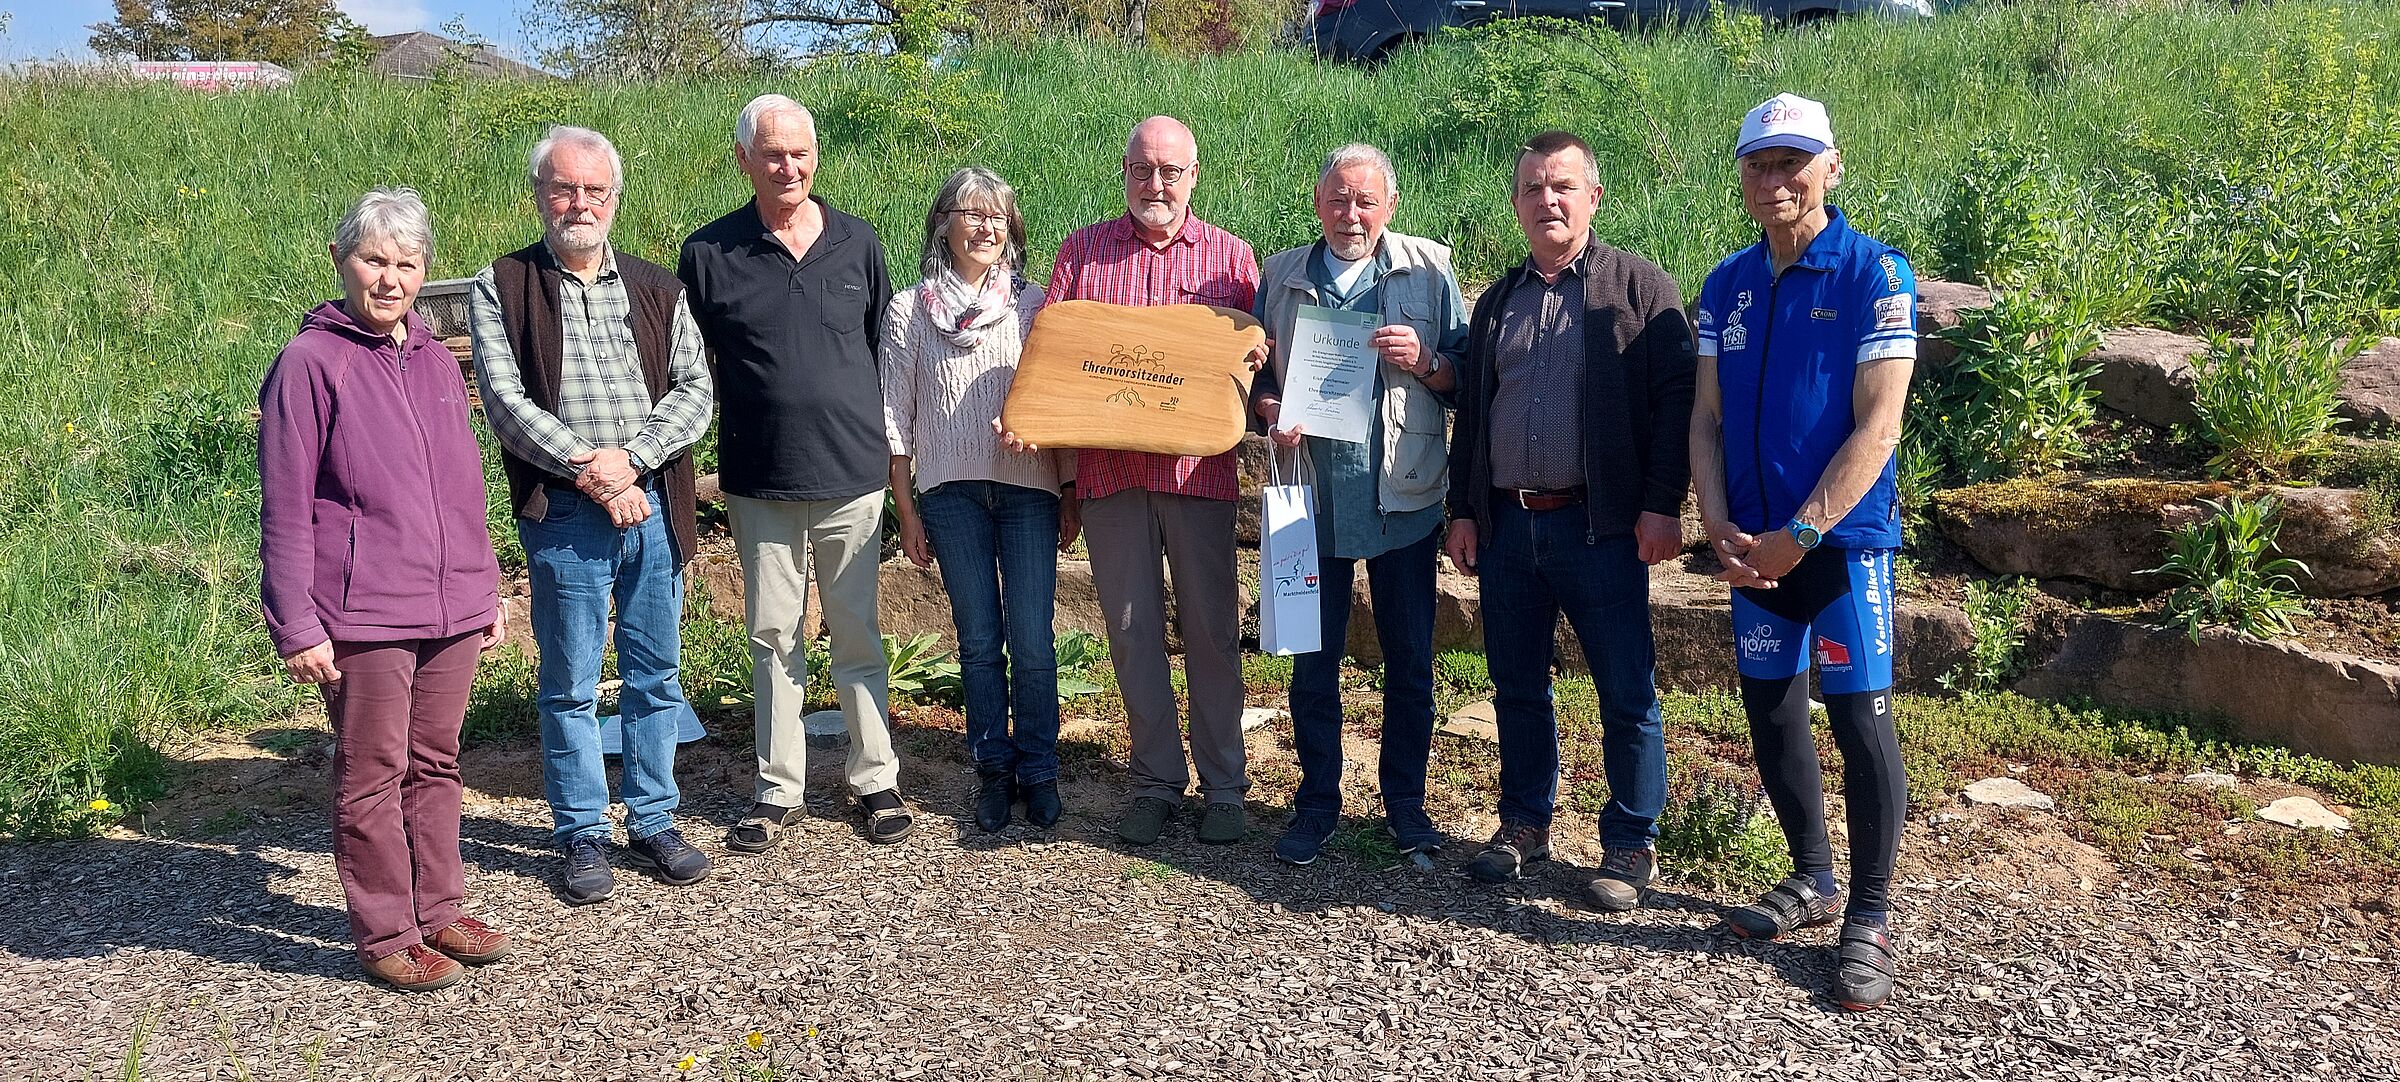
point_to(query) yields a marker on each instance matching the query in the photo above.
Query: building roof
(419, 55)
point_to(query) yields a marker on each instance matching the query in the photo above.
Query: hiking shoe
(1304, 838)
(470, 941)
(674, 861)
(1042, 807)
(1146, 819)
(1512, 847)
(1868, 962)
(1223, 824)
(995, 792)
(589, 878)
(1794, 903)
(1624, 879)
(757, 831)
(414, 968)
(1411, 831)
(888, 820)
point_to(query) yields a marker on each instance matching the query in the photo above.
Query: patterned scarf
(962, 314)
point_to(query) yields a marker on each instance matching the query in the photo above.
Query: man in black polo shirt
(1568, 467)
(789, 294)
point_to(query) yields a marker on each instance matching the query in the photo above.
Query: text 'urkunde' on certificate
(1329, 380)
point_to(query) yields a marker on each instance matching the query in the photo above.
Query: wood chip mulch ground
(958, 955)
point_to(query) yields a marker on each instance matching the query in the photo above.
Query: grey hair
(1352, 154)
(394, 214)
(745, 126)
(971, 184)
(568, 135)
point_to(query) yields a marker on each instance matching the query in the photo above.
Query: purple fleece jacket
(371, 504)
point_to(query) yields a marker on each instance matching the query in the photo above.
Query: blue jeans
(581, 562)
(997, 545)
(1401, 584)
(1536, 565)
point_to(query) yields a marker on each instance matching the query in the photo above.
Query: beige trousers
(782, 544)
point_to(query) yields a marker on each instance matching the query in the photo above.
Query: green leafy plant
(2230, 573)
(2267, 405)
(1998, 221)
(2018, 399)
(1996, 615)
(921, 672)
(1465, 671)
(1718, 836)
(1079, 652)
(1739, 37)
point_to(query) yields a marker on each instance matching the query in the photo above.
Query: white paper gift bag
(1288, 617)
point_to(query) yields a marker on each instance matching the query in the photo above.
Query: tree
(286, 32)
(652, 39)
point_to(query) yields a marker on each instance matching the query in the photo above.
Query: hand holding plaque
(1173, 379)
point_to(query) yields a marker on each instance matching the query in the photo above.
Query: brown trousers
(396, 792)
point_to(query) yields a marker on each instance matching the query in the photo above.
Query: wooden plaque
(1172, 378)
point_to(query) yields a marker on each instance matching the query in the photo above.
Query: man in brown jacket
(1568, 471)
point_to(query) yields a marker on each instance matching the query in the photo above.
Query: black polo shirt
(796, 345)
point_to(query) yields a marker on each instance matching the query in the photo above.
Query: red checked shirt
(1110, 262)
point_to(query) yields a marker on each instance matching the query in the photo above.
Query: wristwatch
(1808, 537)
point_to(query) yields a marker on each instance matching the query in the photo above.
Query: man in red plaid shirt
(1134, 505)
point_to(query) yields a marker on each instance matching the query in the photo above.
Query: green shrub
(2018, 398)
(2267, 405)
(1716, 835)
(1463, 671)
(1995, 613)
(2229, 573)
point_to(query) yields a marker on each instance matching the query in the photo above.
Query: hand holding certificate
(1329, 381)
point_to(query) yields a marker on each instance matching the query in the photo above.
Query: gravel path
(960, 956)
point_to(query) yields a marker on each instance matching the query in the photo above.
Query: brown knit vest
(527, 281)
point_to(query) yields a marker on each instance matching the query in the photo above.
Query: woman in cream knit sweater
(991, 516)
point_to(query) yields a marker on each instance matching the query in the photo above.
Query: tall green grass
(157, 247)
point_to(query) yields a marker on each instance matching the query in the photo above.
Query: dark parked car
(1370, 29)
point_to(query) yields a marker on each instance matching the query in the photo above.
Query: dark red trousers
(396, 793)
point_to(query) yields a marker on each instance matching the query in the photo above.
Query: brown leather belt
(1543, 499)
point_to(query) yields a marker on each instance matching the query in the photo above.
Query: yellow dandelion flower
(101, 805)
(204, 191)
(755, 1040)
(685, 1063)
(812, 1033)
(70, 428)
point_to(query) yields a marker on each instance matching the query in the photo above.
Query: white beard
(579, 238)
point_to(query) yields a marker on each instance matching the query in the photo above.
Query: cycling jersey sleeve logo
(1891, 313)
(1891, 272)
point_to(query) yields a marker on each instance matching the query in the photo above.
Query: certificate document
(1329, 380)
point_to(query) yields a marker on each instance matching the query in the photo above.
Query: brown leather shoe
(471, 941)
(415, 968)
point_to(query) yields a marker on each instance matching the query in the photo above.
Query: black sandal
(1794, 903)
(1869, 963)
(756, 833)
(888, 820)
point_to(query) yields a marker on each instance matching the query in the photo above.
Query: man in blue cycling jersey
(1806, 343)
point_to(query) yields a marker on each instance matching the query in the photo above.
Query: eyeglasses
(1141, 172)
(976, 217)
(596, 195)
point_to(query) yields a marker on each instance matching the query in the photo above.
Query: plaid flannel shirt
(1111, 262)
(602, 399)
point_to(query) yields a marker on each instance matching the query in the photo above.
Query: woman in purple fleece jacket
(380, 585)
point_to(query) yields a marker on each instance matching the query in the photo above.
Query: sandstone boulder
(2108, 531)
(2147, 374)
(2371, 385)
(2103, 531)
(2341, 707)
(2327, 529)
(1938, 306)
